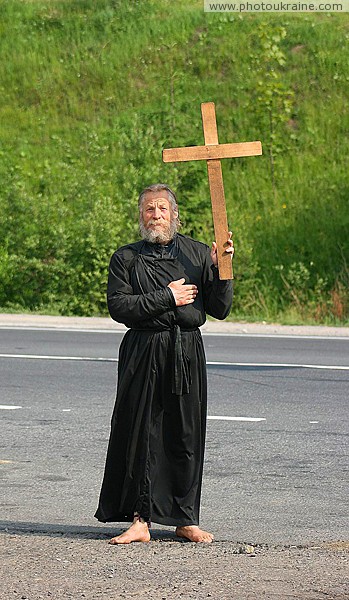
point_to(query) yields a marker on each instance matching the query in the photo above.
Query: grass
(90, 94)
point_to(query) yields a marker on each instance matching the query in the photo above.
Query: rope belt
(181, 376)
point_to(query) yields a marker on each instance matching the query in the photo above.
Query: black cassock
(156, 448)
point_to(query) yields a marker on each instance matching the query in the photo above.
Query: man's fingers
(190, 287)
(184, 293)
(189, 293)
(230, 249)
(182, 283)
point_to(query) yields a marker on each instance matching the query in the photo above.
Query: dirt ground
(56, 566)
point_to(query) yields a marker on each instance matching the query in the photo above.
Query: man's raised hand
(229, 249)
(183, 293)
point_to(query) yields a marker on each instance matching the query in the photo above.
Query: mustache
(154, 221)
(164, 234)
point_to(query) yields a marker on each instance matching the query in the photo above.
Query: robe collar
(161, 250)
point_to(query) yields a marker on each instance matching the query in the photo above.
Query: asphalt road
(282, 479)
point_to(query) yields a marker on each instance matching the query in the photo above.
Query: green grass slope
(90, 93)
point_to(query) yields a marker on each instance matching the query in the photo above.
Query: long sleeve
(218, 294)
(129, 308)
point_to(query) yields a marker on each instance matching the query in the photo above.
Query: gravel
(57, 566)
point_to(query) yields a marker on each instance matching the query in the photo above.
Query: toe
(205, 536)
(118, 540)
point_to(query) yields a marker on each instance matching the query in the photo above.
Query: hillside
(91, 91)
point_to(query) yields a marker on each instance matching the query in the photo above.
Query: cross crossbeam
(213, 152)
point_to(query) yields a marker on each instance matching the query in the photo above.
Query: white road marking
(9, 407)
(313, 421)
(122, 330)
(278, 365)
(64, 329)
(209, 363)
(249, 419)
(287, 336)
(52, 357)
(66, 410)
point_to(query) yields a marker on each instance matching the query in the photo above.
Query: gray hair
(159, 187)
(174, 225)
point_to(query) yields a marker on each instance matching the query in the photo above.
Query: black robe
(156, 448)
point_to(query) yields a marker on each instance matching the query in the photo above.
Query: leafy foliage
(90, 94)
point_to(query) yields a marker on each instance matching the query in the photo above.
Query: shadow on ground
(74, 531)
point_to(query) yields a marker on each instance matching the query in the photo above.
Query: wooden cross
(212, 152)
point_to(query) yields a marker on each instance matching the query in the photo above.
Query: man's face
(156, 210)
(158, 217)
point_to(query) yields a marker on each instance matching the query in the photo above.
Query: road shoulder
(211, 326)
(59, 566)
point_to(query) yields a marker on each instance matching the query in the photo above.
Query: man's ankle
(138, 518)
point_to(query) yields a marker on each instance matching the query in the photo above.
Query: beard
(159, 236)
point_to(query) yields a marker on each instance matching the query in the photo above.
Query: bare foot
(193, 533)
(138, 532)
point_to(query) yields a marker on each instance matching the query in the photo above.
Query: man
(161, 288)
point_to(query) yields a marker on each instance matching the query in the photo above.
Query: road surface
(276, 463)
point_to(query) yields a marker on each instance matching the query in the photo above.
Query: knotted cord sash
(181, 376)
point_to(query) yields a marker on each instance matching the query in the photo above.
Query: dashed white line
(224, 418)
(211, 417)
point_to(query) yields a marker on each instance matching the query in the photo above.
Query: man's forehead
(156, 197)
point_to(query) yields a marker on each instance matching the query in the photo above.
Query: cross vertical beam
(215, 179)
(213, 152)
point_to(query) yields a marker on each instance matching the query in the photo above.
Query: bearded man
(161, 288)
